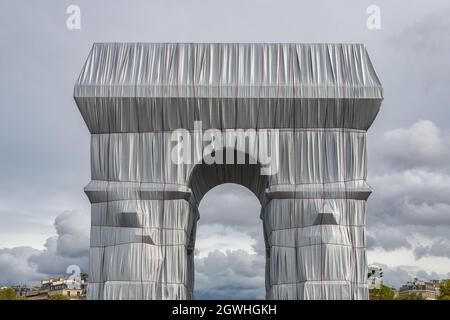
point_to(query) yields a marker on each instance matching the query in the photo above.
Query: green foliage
(59, 296)
(383, 293)
(445, 291)
(7, 294)
(411, 296)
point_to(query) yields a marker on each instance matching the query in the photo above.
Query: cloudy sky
(44, 144)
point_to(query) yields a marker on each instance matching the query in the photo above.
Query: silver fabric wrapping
(321, 99)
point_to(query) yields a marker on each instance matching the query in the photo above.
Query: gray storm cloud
(411, 182)
(232, 274)
(73, 234)
(25, 265)
(15, 267)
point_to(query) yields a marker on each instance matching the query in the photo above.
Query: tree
(410, 296)
(445, 291)
(382, 293)
(7, 294)
(59, 296)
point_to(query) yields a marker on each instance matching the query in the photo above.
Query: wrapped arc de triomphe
(310, 103)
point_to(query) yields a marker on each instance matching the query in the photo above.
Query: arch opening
(229, 249)
(205, 177)
(243, 184)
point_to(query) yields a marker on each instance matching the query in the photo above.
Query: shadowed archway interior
(319, 98)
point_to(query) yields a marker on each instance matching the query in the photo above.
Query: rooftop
(263, 70)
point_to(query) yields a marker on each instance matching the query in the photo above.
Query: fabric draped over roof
(192, 79)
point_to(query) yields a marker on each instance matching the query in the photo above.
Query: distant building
(428, 290)
(23, 291)
(74, 289)
(66, 287)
